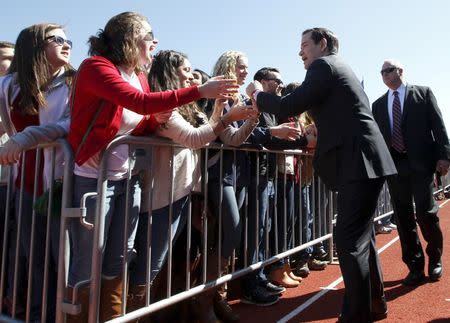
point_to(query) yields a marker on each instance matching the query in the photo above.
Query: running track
(318, 298)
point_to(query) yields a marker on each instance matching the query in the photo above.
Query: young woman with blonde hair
(189, 127)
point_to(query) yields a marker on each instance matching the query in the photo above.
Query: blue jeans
(38, 256)
(264, 192)
(285, 201)
(159, 238)
(82, 238)
(231, 220)
(307, 217)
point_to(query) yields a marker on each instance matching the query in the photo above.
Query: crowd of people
(123, 88)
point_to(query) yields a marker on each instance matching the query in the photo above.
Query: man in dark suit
(412, 126)
(351, 157)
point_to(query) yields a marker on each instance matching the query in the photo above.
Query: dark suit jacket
(423, 129)
(349, 144)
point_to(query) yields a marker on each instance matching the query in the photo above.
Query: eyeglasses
(278, 81)
(59, 40)
(149, 36)
(388, 70)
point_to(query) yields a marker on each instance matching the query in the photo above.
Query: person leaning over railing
(34, 109)
(235, 173)
(112, 97)
(187, 126)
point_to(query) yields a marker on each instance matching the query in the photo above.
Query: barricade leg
(82, 301)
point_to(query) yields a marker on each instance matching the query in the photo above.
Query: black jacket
(349, 144)
(423, 129)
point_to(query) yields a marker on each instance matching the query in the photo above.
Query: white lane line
(444, 203)
(325, 290)
(310, 301)
(333, 285)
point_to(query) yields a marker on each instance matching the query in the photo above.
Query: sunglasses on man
(59, 40)
(388, 70)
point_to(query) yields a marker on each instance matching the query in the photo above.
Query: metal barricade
(283, 231)
(30, 241)
(321, 229)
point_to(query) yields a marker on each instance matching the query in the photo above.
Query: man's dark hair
(264, 72)
(290, 88)
(6, 44)
(318, 33)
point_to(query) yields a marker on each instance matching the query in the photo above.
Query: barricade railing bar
(279, 233)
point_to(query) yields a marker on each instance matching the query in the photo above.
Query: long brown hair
(163, 76)
(32, 68)
(119, 41)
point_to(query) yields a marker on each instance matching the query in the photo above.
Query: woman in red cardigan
(111, 97)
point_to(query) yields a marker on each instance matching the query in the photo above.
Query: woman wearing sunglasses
(34, 109)
(111, 97)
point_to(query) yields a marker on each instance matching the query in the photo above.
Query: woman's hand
(242, 112)
(219, 106)
(162, 117)
(218, 88)
(285, 131)
(10, 153)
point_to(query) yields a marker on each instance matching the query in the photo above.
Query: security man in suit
(351, 157)
(412, 126)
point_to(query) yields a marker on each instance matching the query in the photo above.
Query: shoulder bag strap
(91, 124)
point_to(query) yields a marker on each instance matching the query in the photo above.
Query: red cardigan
(98, 79)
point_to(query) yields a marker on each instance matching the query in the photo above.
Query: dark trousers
(355, 244)
(405, 187)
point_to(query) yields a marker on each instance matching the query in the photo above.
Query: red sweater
(20, 122)
(98, 79)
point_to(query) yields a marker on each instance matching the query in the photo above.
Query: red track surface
(429, 302)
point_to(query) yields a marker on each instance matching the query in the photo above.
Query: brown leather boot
(111, 299)
(205, 309)
(281, 278)
(287, 268)
(136, 298)
(83, 300)
(221, 306)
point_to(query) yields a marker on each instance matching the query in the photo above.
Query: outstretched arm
(309, 94)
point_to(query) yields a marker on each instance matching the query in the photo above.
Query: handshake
(291, 131)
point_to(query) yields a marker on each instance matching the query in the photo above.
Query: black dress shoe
(414, 278)
(435, 270)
